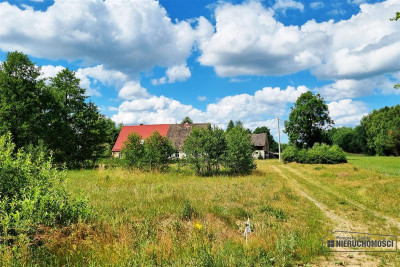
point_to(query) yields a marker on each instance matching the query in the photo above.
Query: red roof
(143, 130)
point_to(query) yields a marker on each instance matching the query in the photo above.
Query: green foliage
(151, 154)
(187, 120)
(307, 120)
(284, 146)
(277, 213)
(397, 17)
(205, 149)
(349, 139)
(208, 149)
(56, 113)
(286, 246)
(273, 145)
(188, 212)
(239, 150)
(382, 130)
(21, 99)
(157, 151)
(32, 193)
(133, 150)
(230, 126)
(319, 153)
(76, 131)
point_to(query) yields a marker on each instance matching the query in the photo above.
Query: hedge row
(319, 153)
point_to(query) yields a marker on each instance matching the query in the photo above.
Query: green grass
(177, 218)
(384, 165)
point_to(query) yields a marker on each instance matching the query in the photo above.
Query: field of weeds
(177, 218)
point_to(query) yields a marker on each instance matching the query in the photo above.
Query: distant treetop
(187, 120)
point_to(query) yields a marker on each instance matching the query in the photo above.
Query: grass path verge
(391, 220)
(340, 223)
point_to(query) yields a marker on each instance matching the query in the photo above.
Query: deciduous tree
(21, 96)
(307, 120)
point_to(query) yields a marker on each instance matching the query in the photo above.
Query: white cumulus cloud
(132, 90)
(129, 36)
(248, 108)
(248, 40)
(350, 88)
(347, 112)
(178, 73)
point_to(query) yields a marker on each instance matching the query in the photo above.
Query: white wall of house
(179, 155)
(116, 154)
(257, 153)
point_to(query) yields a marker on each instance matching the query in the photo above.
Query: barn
(261, 146)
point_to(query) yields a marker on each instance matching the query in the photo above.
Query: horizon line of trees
(309, 123)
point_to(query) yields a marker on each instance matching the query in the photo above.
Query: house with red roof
(176, 133)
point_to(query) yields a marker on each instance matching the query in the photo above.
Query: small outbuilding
(261, 146)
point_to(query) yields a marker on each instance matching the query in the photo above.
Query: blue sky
(157, 62)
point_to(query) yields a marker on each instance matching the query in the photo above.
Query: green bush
(209, 148)
(151, 154)
(239, 153)
(290, 154)
(205, 149)
(133, 150)
(319, 153)
(32, 193)
(157, 151)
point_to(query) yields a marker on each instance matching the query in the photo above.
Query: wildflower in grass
(198, 226)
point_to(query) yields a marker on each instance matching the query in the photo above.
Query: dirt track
(340, 221)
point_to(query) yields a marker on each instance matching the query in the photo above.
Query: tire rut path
(388, 219)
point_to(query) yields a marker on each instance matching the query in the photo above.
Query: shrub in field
(152, 153)
(290, 154)
(157, 150)
(208, 149)
(319, 153)
(133, 150)
(238, 155)
(32, 193)
(205, 149)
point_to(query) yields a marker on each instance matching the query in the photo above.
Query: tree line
(53, 113)
(309, 123)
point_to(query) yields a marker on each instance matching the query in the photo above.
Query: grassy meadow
(177, 218)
